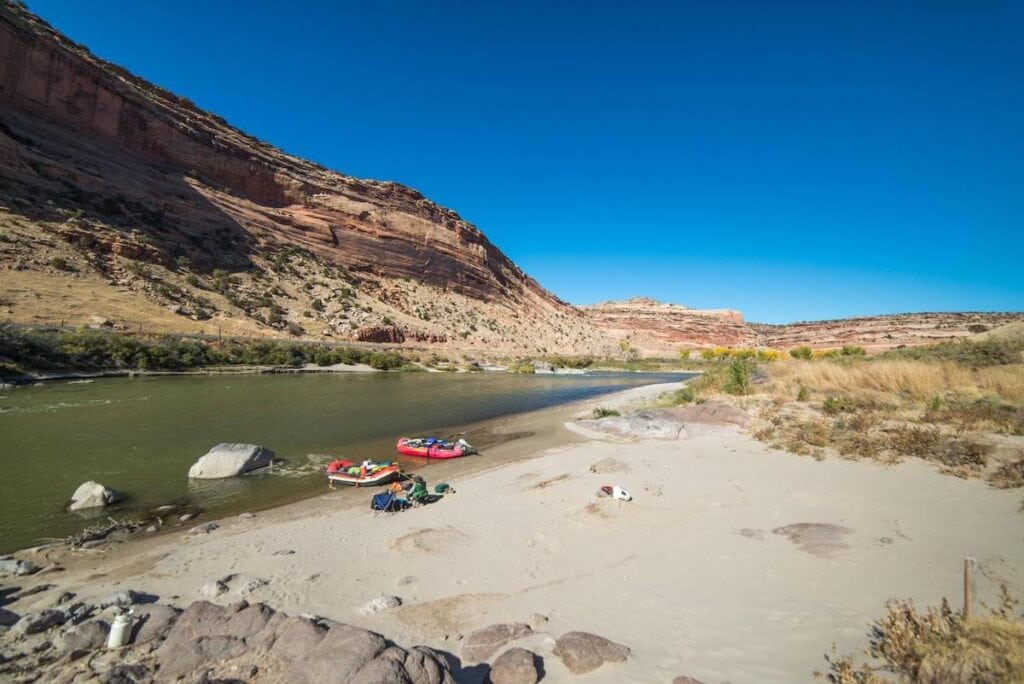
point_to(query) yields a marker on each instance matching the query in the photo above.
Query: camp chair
(387, 502)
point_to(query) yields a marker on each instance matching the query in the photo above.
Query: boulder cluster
(206, 642)
(67, 641)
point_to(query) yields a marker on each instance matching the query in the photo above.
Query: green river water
(140, 435)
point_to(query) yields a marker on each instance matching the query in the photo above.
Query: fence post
(969, 565)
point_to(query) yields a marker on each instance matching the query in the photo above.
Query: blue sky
(793, 160)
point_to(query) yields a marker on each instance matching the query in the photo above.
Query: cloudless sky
(794, 160)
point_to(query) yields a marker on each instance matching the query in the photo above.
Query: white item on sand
(120, 630)
(621, 494)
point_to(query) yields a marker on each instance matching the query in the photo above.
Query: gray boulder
(296, 637)
(230, 460)
(582, 652)
(152, 622)
(33, 623)
(122, 599)
(515, 666)
(341, 654)
(648, 424)
(483, 643)
(92, 495)
(84, 637)
(15, 566)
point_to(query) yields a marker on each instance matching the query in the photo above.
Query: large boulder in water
(92, 495)
(229, 460)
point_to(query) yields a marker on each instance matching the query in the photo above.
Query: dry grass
(965, 420)
(939, 645)
(905, 378)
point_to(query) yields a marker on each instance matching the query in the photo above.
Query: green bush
(738, 377)
(804, 353)
(684, 395)
(61, 264)
(96, 350)
(602, 412)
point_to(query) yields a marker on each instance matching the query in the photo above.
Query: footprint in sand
(427, 540)
(551, 481)
(609, 465)
(817, 539)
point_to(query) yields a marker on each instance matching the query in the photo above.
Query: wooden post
(969, 564)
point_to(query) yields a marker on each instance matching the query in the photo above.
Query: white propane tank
(120, 630)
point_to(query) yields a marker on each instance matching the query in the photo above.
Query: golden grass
(989, 649)
(938, 645)
(906, 378)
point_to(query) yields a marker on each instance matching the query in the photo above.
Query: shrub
(738, 379)
(914, 441)
(684, 395)
(602, 412)
(385, 360)
(61, 264)
(804, 353)
(1009, 475)
(939, 645)
(834, 405)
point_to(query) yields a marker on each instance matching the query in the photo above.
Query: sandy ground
(689, 575)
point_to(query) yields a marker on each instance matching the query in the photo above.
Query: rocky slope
(121, 200)
(653, 327)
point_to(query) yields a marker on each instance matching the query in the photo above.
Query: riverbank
(732, 562)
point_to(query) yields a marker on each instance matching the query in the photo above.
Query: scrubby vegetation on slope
(959, 405)
(26, 350)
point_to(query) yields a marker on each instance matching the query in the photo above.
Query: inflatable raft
(366, 474)
(431, 447)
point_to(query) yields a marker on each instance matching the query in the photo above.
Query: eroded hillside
(121, 201)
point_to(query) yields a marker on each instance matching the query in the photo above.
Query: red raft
(367, 474)
(430, 447)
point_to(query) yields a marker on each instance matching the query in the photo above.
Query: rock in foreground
(483, 643)
(515, 666)
(230, 460)
(582, 652)
(92, 495)
(207, 642)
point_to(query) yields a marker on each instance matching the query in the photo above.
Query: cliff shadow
(102, 192)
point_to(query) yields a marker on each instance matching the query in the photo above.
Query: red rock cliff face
(52, 89)
(653, 327)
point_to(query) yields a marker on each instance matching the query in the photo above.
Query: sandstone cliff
(121, 200)
(656, 328)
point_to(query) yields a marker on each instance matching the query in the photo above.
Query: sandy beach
(733, 562)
